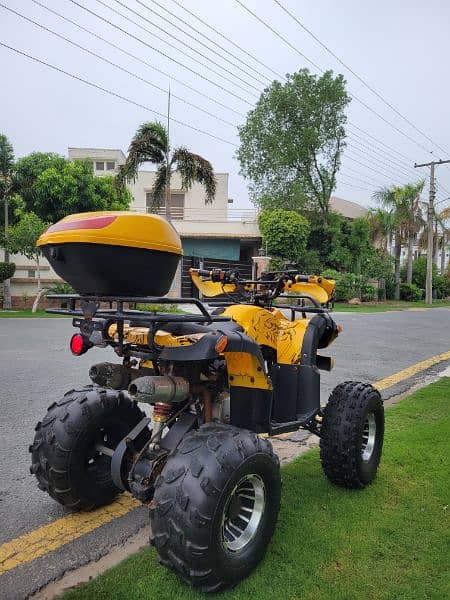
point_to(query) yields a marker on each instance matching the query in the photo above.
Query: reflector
(78, 345)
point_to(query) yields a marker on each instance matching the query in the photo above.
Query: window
(99, 165)
(31, 273)
(110, 166)
(176, 205)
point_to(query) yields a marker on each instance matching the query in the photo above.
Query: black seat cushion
(189, 328)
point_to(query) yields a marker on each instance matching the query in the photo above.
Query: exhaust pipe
(110, 375)
(159, 388)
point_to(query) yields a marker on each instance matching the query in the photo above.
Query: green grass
(26, 313)
(388, 541)
(9, 314)
(386, 306)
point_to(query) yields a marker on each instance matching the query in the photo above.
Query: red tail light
(79, 345)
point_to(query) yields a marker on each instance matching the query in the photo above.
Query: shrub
(410, 292)
(60, 288)
(7, 270)
(348, 285)
(390, 287)
(368, 293)
(441, 286)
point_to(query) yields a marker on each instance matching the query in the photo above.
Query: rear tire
(215, 506)
(352, 435)
(63, 455)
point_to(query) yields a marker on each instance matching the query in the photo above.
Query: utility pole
(168, 196)
(430, 228)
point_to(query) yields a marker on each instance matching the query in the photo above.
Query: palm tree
(441, 237)
(6, 185)
(444, 240)
(151, 144)
(404, 205)
(381, 227)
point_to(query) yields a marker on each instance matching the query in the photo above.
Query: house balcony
(207, 222)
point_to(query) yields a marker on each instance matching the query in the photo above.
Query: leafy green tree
(284, 233)
(151, 144)
(53, 187)
(292, 140)
(22, 238)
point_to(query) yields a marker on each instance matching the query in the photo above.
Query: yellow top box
(133, 230)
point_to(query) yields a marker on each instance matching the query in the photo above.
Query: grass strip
(390, 540)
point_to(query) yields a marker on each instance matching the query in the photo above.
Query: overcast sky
(399, 47)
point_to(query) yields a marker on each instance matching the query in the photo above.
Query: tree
(381, 227)
(292, 140)
(6, 187)
(441, 236)
(151, 144)
(403, 204)
(284, 233)
(22, 238)
(53, 187)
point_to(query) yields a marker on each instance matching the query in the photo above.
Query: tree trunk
(443, 258)
(435, 245)
(39, 289)
(410, 259)
(7, 283)
(398, 253)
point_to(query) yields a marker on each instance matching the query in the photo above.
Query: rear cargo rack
(89, 307)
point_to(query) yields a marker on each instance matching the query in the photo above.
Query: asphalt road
(36, 368)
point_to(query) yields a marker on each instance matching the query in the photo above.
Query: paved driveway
(36, 368)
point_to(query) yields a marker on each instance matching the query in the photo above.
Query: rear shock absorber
(161, 414)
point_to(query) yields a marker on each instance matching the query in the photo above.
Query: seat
(190, 328)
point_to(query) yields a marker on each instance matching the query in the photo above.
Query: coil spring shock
(162, 411)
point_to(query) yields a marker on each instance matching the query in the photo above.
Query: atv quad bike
(215, 382)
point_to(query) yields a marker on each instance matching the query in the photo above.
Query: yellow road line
(387, 382)
(50, 537)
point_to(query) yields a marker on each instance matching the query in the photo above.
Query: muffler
(110, 375)
(159, 388)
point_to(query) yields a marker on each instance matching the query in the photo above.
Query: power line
(368, 86)
(255, 58)
(395, 158)
(367, 166)
(373, 150)
(376, 159)
(112, 93)
(252, 56)
(196, 73)
(115, 65)
(181, 51)
(286, 41)
(137, 58)
(134, 12)
(390, 151)
(196, 39)
(358, 187)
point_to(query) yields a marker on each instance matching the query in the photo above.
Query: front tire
(63, 455)
(352, 435)
(215, 506)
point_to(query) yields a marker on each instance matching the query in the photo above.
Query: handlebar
(219, 276)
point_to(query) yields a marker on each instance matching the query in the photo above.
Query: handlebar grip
(204, 273)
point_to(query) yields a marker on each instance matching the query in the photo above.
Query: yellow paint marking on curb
(47, 538)
(387, 382)
(50, 537)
